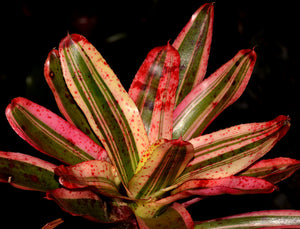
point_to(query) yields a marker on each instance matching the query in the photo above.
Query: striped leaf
(89, 205)
(27, 172)
(110, 111)
(233, 185)
(51, 134)
(66, 103)
(162, 163)
(207, 100)
(193, 44)
(99, 175)
(229, 151)
(273, 170)
(153, 91)
(261, 219)
(174, 217)
(202, 188)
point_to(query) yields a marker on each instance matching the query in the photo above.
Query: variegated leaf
(153, 91)
(110, 111)
(261, 219)
(193, 44)
(101, 176)
(162, 164)
(273, 170)
(229, 151)
(65, 102)
(174, 217)
(51, 134)
(87, 204)
(207, 100)
(27, 172)
(234, 185)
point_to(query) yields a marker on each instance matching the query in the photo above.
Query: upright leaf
(227, 152)
(193, 44)
(110, 111)
(207, 100)
(27, 172)
(66, 103)
(162, 164)
(51, 134)
(261, 219)
(153, 91)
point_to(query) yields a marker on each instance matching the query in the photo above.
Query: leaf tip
(71, 39)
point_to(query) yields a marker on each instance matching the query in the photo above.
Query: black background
(124, 32)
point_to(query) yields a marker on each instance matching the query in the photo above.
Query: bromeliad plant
(140, 157)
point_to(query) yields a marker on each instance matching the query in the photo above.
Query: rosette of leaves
(140, 157)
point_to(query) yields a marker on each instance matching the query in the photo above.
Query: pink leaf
(230, 185)
(51, 134)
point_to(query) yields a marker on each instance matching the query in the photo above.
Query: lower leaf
(260, 219)
(174, 217)
(101, 176)
(27, 172)
(273, 170)
(89, 205)
(233, 185)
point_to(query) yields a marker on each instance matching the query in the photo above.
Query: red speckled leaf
(27, 172)
(50, 134)
(273, 170)
(234, 185)
(262, 219)
(174, 217)
(89, 205)
(101, 176)
(64, 99)
(209, 98)
(229, 151)
(161, 164)
(153, 91)
(193, 44)
(110, 111)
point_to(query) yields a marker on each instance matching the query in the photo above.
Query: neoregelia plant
(140, 157)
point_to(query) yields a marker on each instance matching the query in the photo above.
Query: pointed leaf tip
(154, 88)
(209, 98)
(110, 111)
(51, 134)
(193, 44)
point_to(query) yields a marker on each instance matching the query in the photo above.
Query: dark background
(124, 32)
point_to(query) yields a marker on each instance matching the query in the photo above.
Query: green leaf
(162, 163)
(51, 134)
(174, 217)
(229, 151)
(66, 103)
(89, 205)
(209, 98)
(260, 219)
(273, 170)
(101, 176)
(153, 91)
(110, 111)
(27, 172)
(193, 44)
